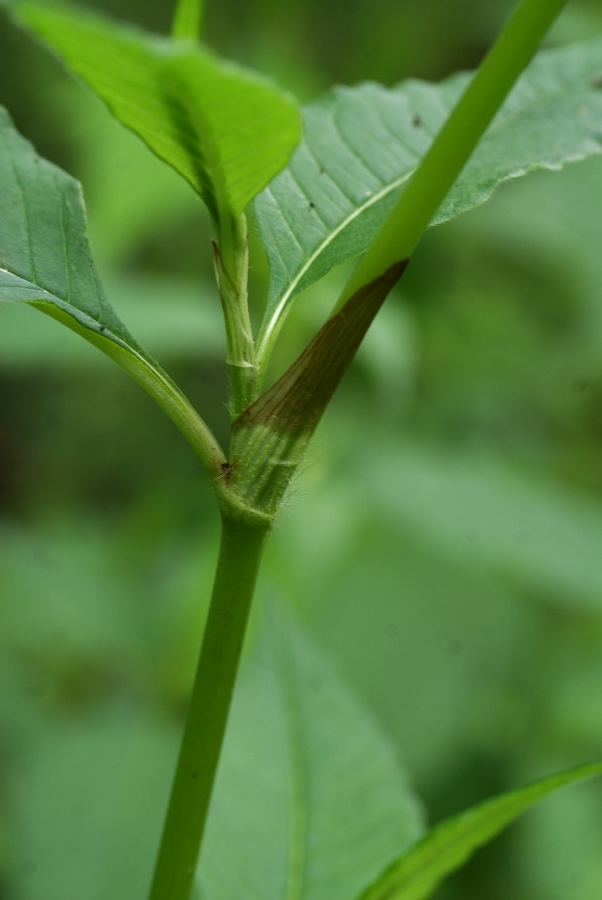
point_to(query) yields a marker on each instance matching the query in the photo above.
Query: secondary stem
(239, 557)
(188, 18)
(456, 141)
(231, 259)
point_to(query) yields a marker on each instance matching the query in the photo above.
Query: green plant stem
(239, 557)
(231, 259)
(456, 141)
(188, 18)
(243, 539)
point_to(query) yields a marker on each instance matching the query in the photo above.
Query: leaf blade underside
(225, 129)
(361, 145)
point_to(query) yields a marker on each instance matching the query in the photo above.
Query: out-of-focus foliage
(441, 543)
(448, 845)
(309, 796)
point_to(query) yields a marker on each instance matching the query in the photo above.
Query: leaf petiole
(156, 383)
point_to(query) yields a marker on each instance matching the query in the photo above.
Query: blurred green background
(443, 543)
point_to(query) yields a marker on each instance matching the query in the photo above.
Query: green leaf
(309, 799)
(226, 130)
(447, 846)
(362, 144)
(45, 261)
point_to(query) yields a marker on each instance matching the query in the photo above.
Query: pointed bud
(269, 438)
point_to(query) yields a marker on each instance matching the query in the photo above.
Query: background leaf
(479, 509)
(447, 846)
(309, 799)
(227, 130)
(362, 144)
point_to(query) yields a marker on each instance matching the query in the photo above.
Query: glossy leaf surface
(447, 846)
(226, 130)
(309, 799)
(362, 144)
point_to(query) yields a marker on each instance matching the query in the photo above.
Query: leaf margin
(446, 92)
(163, 59)
(419, 885)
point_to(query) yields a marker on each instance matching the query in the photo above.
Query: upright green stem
(243, 536)
(231, 258)
(239, 557)
(188, 18)
(456, 141)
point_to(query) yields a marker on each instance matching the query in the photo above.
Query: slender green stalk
(231, 259)
(456, 141)
(239, 557)
(243, 537)
(188, 18)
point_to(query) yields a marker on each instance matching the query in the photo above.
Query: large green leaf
(447, 846)
(228, 131)
(45, 261)
(309, 799)
(362, 144)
